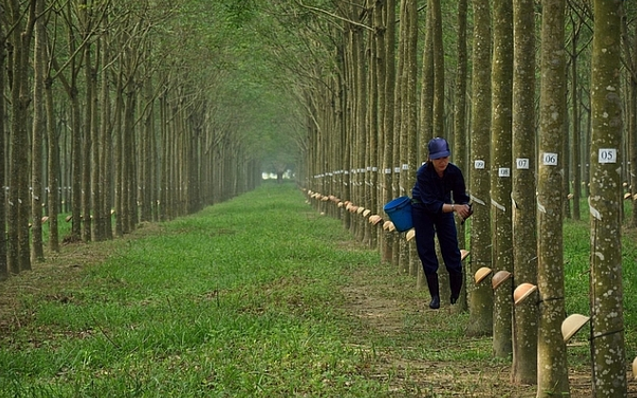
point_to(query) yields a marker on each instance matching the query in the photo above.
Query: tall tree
(630, 45)
(524, 369)
(4, 269)
(19, 213)
(607, 334)
(374, 128)
(552, 364)
(38, 131)
(480, 296)
(438, 55)
(105, 135)
(89, 104)
(388, 121)
(501, 149)
(460, 119)
(426, 122)
(409, 126)
(575, 124)
(53, 151)
(380, 28)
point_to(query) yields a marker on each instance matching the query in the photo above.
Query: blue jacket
(434, 191)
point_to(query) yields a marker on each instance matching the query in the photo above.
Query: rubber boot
(434, 291)
(455, 282)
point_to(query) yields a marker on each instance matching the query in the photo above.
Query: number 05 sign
(607, 155)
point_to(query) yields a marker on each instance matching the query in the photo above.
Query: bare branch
(319, 10)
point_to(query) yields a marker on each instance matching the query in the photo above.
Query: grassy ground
(257, 297)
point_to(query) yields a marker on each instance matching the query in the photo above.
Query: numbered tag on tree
(607, 155)
(549, 159)
(504, 172)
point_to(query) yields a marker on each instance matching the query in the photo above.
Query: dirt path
(391, 309)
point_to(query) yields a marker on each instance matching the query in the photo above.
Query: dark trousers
(443, 225)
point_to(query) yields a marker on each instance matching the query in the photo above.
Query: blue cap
(438, 148)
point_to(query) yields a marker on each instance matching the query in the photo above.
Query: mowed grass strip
(239, 300)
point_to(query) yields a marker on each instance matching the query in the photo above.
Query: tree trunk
(76, 159)
(552, 364)
(371, 236)
(409, 124)
(53, 151)
(524, 369)
(118, 150)
(501, 185)
(481, 296)
(97, 150)
(38, 129)
(438, 56)
(4, 269)
(388, 121)
(397, 186)
(106, 142)
(631, 115)
(164, 132)
(460, 141)
(426, 131)
(147, 156)
(128, 186)
(87, 161)
(380, 60)
(19, 243)
(360, 99)
(607, 326)
(575, 124)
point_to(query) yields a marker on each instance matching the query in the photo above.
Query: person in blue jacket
(437, 183)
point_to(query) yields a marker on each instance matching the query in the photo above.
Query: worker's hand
(463, 211)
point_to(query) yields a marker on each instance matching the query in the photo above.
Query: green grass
(252, 297)
(239, 300)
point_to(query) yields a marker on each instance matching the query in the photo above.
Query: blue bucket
(399, 212)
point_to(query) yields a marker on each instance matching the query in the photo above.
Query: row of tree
(543, 125)
(119, 112)
(151, 110)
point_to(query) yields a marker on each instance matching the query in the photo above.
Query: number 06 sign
(549, 159)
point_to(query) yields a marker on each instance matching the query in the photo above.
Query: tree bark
(19, 243)
(117, 155)
(607, 326)
(630, 44)
(575, 122)
(97, 195)
(106, 140)
(38, 131)
(438, 56)
(371, 236)
(426, 122)
(4, 269)
(524, 369)
(460, 141)
(128, 182)
(388, 121)
(501, 185)
(552, 364)
(87, 144)
(481, 296)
